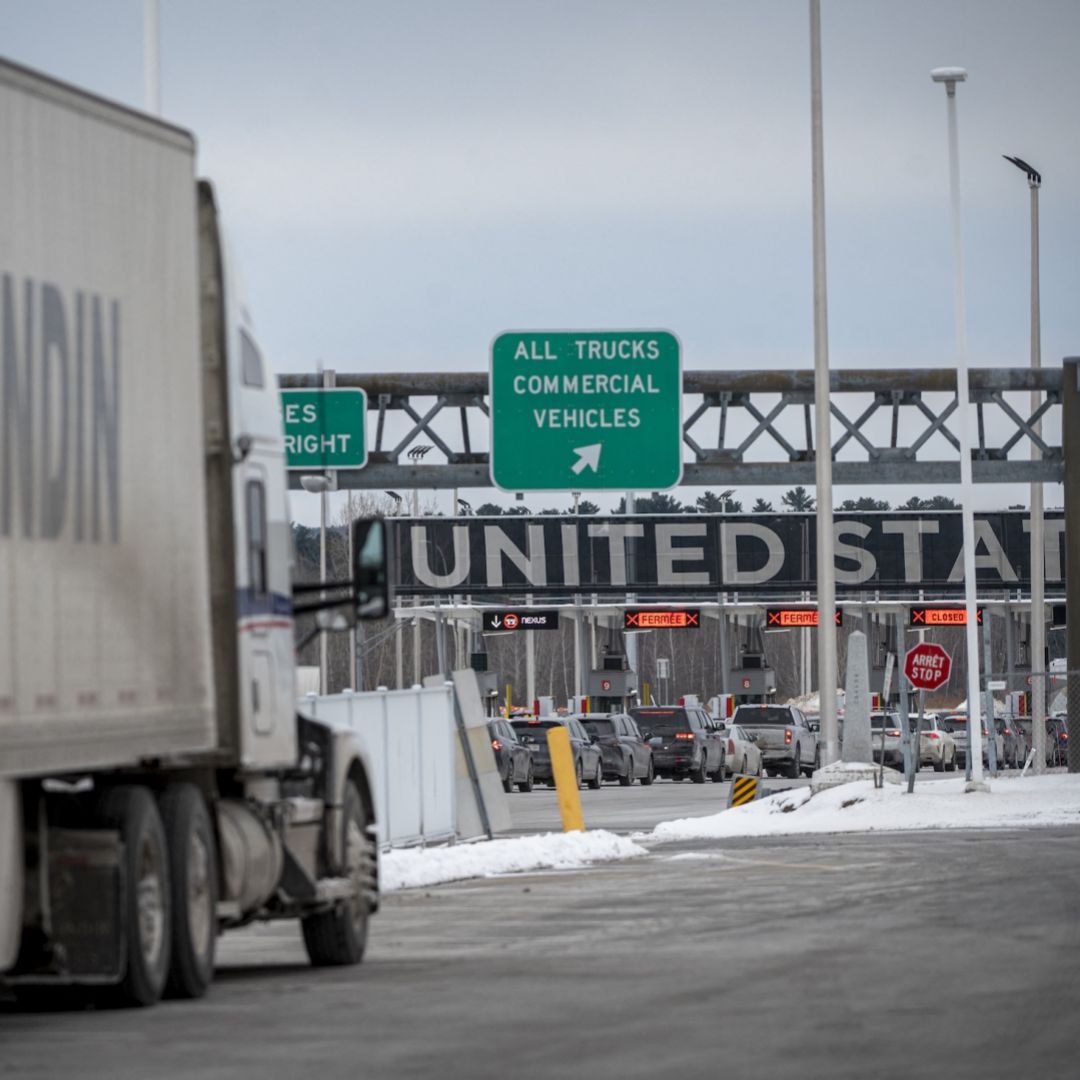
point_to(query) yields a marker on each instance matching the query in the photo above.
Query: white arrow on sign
(587, 456)
(496, 621)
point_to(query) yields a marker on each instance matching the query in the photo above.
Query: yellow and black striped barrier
(744, 789)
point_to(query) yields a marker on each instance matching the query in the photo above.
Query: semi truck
(157, 785)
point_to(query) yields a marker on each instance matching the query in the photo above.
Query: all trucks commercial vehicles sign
(586, 411)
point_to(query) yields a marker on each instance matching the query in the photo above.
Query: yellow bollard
(566, 785)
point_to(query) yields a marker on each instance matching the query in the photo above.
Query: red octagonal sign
(927, 666)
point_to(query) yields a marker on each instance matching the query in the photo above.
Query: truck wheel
(193, 871)
(721, 773)
(698, 775)
(794, 768)
(650, 774)
(146, 898)
(627, 778)
(597, 778)
(527, 783)
(338, 936)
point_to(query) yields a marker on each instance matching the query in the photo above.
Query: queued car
(887, 738)
(1057, 741)
(588, 758)
(787, 742)
(742, 757)
(685, 741)
(1014, 743)
(627, 756)
(956, 725)
(937, 745)
(513, 758)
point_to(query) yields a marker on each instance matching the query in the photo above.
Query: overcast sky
(403, 180)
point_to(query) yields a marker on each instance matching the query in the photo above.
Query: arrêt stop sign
(927, 666)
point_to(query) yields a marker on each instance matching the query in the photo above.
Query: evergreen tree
(864, 502)
(762, 507)
(798, 499)
(656, 503)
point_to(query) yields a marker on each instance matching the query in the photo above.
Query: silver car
(743, 756)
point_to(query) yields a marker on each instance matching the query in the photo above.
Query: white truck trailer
(156, 783)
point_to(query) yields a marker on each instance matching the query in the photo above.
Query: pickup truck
(784, 736)
(156, 784)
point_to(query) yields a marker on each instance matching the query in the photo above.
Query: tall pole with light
(950, 76)
(826, 569)
(152, 57)
(1038, 526)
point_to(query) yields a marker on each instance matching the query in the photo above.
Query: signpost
(927, 667)
(941, 616)
(519, 619)
(651, 619)
(586, 411)
(784, 618)
(324, 429)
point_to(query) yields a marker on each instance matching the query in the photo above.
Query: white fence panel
(409, 738)
(438, 736)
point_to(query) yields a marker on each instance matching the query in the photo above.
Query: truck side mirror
(371, 568)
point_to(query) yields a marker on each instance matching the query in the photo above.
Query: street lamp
(319, 484)
(950, 76)
(1038, 620)
(826, 564)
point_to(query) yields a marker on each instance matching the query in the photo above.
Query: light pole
(1038, 526)
(950, 76)
(320, 485)
(826, 567)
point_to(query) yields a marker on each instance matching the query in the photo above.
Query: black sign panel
(1057, 616)
(519, 619)
(655, 619)
(784, 618)
(892, 554)
(941, 616)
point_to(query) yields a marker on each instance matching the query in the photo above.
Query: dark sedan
(588, 759)
(627, 757)
(685, 742)
(513, 758)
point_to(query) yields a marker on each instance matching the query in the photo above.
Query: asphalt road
(897, 955)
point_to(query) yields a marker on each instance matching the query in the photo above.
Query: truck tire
(337, 937)
(720, 775)
(147, 897)
(626, 779)
(698, 775)
(193, 872)
(597, 778)
(795, 765)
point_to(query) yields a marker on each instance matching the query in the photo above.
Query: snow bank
(859, 807)
(413, 867)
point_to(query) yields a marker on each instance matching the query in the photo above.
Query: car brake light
(684, 735)
(932, 735)
(787, 736)
(731, 746)
(495, 744)
(893, 733)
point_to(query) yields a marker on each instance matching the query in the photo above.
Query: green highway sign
(586, 410)
(324, 429)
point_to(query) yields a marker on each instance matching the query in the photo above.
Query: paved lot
(898, 955)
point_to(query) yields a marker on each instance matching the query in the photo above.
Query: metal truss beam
(450, 413)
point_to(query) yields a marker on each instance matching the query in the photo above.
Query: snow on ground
(1011, 802)
(412, 867)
